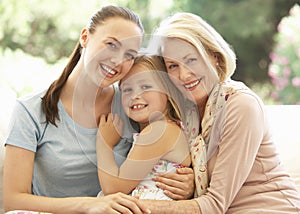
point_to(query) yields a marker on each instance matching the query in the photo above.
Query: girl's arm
(17, 178)
(156, 141)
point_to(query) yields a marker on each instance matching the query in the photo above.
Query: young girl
(161, 146)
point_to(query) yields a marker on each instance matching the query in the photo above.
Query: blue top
(65, 156)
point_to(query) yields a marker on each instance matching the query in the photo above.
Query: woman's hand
(115, 203)
(110, 129)
(178, 186)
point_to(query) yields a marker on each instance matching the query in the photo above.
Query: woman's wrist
(176, 207)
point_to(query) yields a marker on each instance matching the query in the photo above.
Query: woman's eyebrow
(186, 56)
(120, 44)
(116, 40)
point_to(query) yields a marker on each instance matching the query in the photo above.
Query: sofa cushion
(283, 120)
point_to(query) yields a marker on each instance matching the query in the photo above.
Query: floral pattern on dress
(147, 189)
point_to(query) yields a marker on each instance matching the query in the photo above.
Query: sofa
(284, 120)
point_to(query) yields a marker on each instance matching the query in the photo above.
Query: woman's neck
(83, 100)
(201, 109)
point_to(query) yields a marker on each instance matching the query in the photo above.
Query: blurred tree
(248, 26)
(150, 12)
(48, 29)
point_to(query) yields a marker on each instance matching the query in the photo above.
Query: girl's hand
(110, 129)
(178, 186)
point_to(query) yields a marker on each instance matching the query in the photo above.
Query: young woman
(160, 146)
(50, 161)
(245, 174)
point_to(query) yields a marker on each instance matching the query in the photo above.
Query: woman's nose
(117, 58)
(185, 73)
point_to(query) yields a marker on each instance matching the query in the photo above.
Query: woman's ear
(215, 59)
(84, 37)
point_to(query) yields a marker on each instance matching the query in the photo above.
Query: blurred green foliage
(248, 25)
(50, 29)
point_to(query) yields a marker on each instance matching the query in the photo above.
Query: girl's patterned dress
(147, 188)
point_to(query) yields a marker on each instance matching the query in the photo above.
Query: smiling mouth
(138, 106)
(108, 71)
(192, 85)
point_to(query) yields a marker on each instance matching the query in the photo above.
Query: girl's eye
(126, 90)
(146, 87)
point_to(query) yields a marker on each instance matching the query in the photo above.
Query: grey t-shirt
(65, 156)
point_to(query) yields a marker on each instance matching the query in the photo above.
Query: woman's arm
(174, 207)
(241, 136)
(153, 143)
(17, 178)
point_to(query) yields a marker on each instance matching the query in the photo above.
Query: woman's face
(110, 50)
(188, 70)
(142, 98)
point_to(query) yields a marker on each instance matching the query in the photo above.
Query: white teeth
(138, 106)
(192, 84)
(108, 70)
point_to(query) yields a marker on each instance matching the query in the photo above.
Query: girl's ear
(84, 37)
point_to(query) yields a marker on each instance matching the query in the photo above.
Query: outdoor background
(37, 36)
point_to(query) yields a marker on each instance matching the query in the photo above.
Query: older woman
(243, 172)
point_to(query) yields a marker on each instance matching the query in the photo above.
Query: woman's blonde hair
(209, 43)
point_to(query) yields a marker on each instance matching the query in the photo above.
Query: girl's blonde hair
(209, 43)
(155, 64)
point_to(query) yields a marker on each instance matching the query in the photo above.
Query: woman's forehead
(174, 49)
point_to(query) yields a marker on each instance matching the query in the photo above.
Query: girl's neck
(143, 125)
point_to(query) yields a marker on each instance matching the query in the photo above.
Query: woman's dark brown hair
(50, 99)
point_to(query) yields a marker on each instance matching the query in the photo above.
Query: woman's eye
(111, 45)
(129, 56)
(172, 66)
(191, 60)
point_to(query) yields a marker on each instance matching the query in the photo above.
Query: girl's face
(188, 70)
(142, 98)
(109, 52)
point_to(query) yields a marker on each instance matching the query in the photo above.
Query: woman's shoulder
(31, 104)
(244, 104)
(242, 96)
(32, 99)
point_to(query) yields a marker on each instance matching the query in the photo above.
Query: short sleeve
(23, 128)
